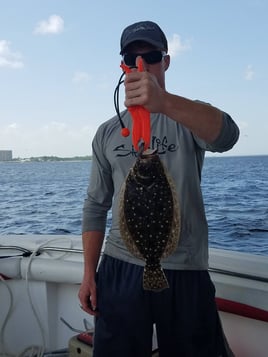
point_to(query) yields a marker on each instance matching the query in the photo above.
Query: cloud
(81, 77)
(242, 124)
(177, 46)
(53, 25)
(54, 138)
(249, 73)
(8, 58)
(12, 126)
(55, 126)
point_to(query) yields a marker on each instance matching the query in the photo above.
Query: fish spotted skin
(149, 217)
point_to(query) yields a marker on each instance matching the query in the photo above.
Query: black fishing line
(124, 131)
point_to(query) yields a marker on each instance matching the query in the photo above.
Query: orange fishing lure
(141, 126)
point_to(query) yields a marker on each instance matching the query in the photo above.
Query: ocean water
(47, 198)
(235, 191)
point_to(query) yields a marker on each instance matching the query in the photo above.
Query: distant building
(5, 155)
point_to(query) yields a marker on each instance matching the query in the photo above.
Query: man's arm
(92, 244)
(203, 120)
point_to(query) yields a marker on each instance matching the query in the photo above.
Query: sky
(59, 65)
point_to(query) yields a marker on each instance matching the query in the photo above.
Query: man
(185, 314)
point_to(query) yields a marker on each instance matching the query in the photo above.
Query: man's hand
(88, 297)
(142, 88)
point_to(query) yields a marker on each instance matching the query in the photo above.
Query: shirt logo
(161, 145)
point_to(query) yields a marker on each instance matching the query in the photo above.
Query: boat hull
(40, 291)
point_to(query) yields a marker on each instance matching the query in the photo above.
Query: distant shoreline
(47, 158)
(50, 158)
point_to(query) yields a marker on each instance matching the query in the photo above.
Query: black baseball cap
(146, 31)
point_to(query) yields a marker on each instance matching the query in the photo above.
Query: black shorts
(185, 315)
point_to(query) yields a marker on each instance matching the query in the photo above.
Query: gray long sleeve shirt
(182, 154)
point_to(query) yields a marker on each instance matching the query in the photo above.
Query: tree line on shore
(53, 158)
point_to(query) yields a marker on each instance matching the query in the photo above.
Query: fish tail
(154, 278)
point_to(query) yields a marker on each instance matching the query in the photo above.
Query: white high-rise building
(5, 155)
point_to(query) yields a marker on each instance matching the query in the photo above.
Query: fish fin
(124, 231)
(154, 278)
(174, 235)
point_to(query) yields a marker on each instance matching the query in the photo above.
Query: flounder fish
(149, 216)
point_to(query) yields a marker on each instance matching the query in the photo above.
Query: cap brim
(149, 41)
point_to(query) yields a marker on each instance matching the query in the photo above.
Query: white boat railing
(238, 275)
(26, 252)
